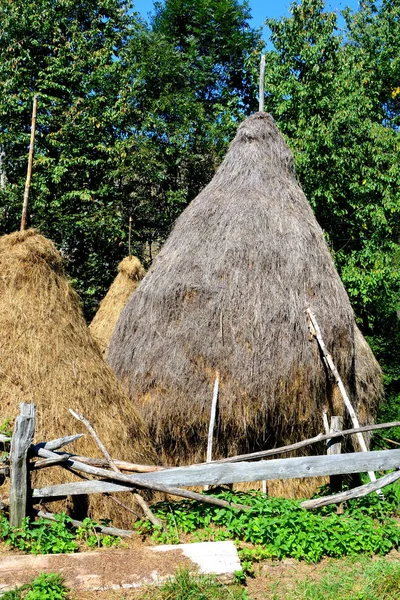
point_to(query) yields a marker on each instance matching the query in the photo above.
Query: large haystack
(228, 291)
(48, 357)
(130, 273)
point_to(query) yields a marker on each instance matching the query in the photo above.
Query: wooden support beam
(316, 331)
(21, 441)
(334, 446)
(141, 501)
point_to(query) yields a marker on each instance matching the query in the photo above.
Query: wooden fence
(110, 478)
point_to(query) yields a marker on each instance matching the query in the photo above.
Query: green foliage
(6, 427)
(335, 96)
(185, 586)
(130, 121)
(88, 534)
(45, 587)
(279, 528)
(53, 537)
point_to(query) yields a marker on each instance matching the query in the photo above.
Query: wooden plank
(358, 492)
(281, 468)
(216, 474)
(21, 441)
(63, 490)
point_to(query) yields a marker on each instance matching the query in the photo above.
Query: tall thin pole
(130, 237)
(261, 86)
(30, 162)
(213, 414)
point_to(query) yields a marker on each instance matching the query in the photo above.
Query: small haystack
(130, 273)
(228, 291)
(48, 357)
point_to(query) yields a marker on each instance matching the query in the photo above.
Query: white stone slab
(212, 558)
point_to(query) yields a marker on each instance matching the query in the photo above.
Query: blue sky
(260, 9)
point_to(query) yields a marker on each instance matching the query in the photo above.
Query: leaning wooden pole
(261, 84)
(30, 162)
(316, 331)
(142, 503)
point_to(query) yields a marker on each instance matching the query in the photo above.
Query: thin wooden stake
(391, 441)
(261, 84)
(212, 418)
(212, 422)
(130, 237)
(30, 162)
(142, 503)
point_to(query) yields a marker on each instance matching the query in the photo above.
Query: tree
(335, 98)
(130, 123)
(67, 53)
(187, 88)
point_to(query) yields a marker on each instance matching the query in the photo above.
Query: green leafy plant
(45, 587)
(87, 532)
(55, 537)
(6, 427)
(280, 528)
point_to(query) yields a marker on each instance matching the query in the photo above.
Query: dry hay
(48, 357)
(130, 273)
(228, 291)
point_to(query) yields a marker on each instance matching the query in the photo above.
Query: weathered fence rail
(220, 474)
(172, 480)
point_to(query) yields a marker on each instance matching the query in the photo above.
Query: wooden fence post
(21, 440)
(334, 446)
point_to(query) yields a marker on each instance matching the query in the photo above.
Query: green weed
(44, 587)
(282, 529)
(355, 580)
(52, 537)
(185, 586)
